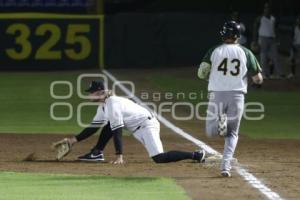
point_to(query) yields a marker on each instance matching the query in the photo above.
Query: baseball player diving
(116, 113)
(227, 66)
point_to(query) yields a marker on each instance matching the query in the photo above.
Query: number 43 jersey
(230, 65)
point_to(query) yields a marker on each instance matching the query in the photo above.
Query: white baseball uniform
(229, 65)
(100, 118)
(232, 59)
(122, 112)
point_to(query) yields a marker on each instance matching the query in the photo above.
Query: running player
(227, 67)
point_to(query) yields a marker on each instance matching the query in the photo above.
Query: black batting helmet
(230, 30)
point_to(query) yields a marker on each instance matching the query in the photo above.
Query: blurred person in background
(264, 35)
(295, 50)
(235, 16)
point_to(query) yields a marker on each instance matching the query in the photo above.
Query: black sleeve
(105, 135)
(117, 134)
(87, 132)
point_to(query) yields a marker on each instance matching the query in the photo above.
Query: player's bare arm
(117, 137)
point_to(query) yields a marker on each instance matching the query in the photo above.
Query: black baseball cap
(95, 86)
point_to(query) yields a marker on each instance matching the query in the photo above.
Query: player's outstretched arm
(117, 136)
(64, 146)
(87, 132)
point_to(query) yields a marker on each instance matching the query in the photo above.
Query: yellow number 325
(75, 36)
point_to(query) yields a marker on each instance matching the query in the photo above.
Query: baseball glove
(62, 147)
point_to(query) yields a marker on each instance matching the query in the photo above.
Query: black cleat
(199, 156)
(94, 156)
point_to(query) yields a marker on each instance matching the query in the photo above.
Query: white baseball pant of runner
(232, 104)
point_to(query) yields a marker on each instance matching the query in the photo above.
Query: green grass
(25, 103)
(25, 186)
(282, 109)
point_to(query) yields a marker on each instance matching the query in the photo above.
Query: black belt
(137, 128)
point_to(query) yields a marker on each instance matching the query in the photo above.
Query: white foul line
(250, 178)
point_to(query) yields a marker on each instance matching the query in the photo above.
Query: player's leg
(293, 66)
(215, 110)
(149, 136)
(96, 154)
(296, 59)
(234, 113)
(292, 59)
(211, 123)
(274, 56)
(175, 156)
(264, 54)
(104, 137)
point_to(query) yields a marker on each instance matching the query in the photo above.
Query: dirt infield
(277, 163)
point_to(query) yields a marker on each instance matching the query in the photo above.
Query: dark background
(282, 8)
(163, 33)
(160, 33)
(287, 7)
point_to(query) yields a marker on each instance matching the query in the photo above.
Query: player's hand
(119, 160)
(72, 140)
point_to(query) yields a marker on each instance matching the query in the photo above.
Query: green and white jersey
(230, 64)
